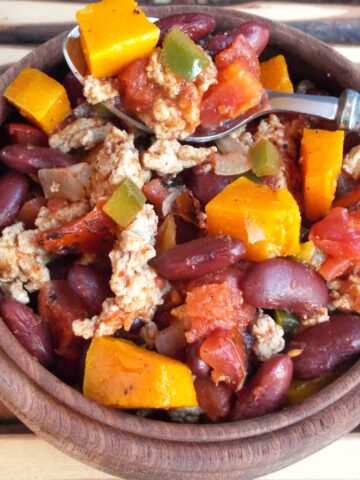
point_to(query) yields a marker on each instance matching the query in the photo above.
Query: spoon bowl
(345, 110)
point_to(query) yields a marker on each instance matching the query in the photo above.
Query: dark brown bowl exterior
(136, 448)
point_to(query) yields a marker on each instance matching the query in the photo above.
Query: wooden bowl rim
(47, 56)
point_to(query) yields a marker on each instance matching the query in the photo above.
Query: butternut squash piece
(267, 221)
(123, 375)
(274, 75)
(113, 33)
(39, 98)
(321, 159)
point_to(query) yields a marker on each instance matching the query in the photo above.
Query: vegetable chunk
(321, 159)
(113, 34)
(267, 221)
(39, 98)
(121, 374)
(274, 75)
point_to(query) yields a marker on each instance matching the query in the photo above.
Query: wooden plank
(18, 12)
(42, 461)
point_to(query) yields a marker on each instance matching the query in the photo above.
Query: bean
(29, 159)
(196, 364)
(90, 284)
(233, 275)
(74, 90)
(14, 188)
(171, 341)
(30, 210)
(285, 284)
(25, 134)
(198, 257)
(326, 346)
(28, 329)
(205, 185)
(266, 391)
(195, 25)
(254, 32)
(60, 266)
(215, 400)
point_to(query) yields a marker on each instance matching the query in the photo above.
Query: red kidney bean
(205, 185)
(195, 25)
(255, 33)
(345, 184)
(14, 188)
(233, 275)
(74, 90)
(284, 284)
(25, 134)
(215, 400)
(266, 391)
(59, 306)
(90, 284)
(60, 266)
(196, 364)
(28, 329)
(171, 340)
(29, 159)
(198, 257)
(30, 210)
(326, 346)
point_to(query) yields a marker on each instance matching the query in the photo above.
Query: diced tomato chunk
(155, 192)
(224, 351)
(93, 233)
(241, 50)
(137, 92)
(59, 307)
(237, 90)
(333, 267)
(338, 234)
(212, 306)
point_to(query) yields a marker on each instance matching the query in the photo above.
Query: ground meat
(117, 160)
(351, 162)
(47, 219)
(98, 90)
(22, 263)
(318, 315)
(170, 157)
(81, 133)
(268, 337)
(136, 286)
(345, 294)
(176, 110)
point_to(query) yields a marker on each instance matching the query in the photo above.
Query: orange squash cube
(321, 160)
(267, 221)
(113, 33)
(274, 75)
(39, 98)
(123, 375)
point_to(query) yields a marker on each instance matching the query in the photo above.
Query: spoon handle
(348, 117)
(345, 110)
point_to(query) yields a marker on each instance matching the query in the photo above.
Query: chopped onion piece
(228, 144)
(68, 182)
(234, 163)
(254, 232)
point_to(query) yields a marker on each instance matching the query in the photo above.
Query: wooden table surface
(26, 23)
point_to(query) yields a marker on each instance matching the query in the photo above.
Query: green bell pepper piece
(125, 203)
(286, 320)
(265, 159)
(181, 55)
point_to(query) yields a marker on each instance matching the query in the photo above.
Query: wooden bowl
(137, 448)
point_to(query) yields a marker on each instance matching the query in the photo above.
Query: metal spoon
(343, 110)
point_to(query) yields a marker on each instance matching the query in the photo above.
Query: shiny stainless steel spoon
(343, 110)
